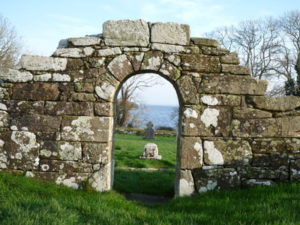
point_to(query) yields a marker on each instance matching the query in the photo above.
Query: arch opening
(142, 98)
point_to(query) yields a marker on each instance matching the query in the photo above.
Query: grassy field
(25, 201)
(128, 148)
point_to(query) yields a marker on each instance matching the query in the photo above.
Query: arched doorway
(155, 102)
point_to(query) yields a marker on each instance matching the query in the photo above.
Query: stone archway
(56, 114)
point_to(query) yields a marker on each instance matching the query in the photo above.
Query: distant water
(159, 115)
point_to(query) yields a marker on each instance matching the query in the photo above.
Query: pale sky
(41, 24)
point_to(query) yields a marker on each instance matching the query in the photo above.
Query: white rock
(210, 117)
(110, 51)
(106, 91)
(214, 156)
(209, 100)
(42, 77)
(211, 185)
(170, 33)
(70, 150)
(167, 48)
(69, 52)
(85, 41)
(190, 113)
(15, 76)
(101, 179)
(126, 33)
(31, 62)
(3, 107)
(61, 77)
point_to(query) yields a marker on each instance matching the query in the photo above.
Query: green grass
(145, 182)
(129, 147)
(25, 201)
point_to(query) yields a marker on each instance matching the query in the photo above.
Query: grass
(129, 147)
(28, 201)
(145, 182)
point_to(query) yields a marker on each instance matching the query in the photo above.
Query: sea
(159, 115)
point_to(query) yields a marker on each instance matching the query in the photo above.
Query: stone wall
(56, 113)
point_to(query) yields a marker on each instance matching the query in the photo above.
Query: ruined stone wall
(56, 113)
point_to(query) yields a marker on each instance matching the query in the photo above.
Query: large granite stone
(15, 76)
(170, 33)
(43, 63)
(201, 63)
(126, 33)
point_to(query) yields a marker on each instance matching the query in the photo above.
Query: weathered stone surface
(69, 150)
(26, 107)
(235, 69)
(43, 77)
(84, 87)
(186, 183)
(23, 150)
(174, 59)
(170, 71)
(286, 103)
(151, 152)
(231, 58)
(152, 60)
(170, 33)
(188, 90)
(61, 77)
(214, 51)
(214, 179)
(230, 84)
(103, 109)
(191, 155)
(74, 52)
(168, 48)
(229, 100)
(15, 76)
(136, 60)
(229, 152)
(126, 33)
(97, 152)
(270, 145)
(31, 62)
(83, 97)
(48, 150)
(85, 128)
(85, 41)
(268, 173)
(120, 67)
(201, 63)
(36, 91)
(105, 91)
(64, 166)
(101, 179)
(69, 108)
(249, 113)
(110, 51)
(205, 42)
(4, 119)
(37, 123)
(274, 160)
(206, 121)
(69, 179)
(257, 182)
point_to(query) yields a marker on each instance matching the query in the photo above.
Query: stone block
(97, 153)
(168, 48)
(4, 119)
(74, 52)
(84, 87)
(205, 42)
(171, 71)
(231, 58)
(221, 100)
(188, 90)
(64, 166)
(35, 91)
(271, 145)
(83, 97)
(103, 109)
(86, 128)
(227, 152)
(120, 67)
(249, 113)
(69, 150)
(105, 91)
(101, 179)
(48, 150)
(152, 60)
(229, 84)
(126, 33)
(170, 33)
(42, 63)
(186, 183)
(235, 69)
(57, 77)
(69, 108)
(110, 51)
(215, 179)
(191, 155)
(269, 173)
(136, 60)
(42, 77)
(285, 103)
(213, 51)
(85, 41)
(15, 76)
(201, 63)
(37, 123)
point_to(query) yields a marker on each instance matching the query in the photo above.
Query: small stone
(168, 48)
(120, 67)
(61, 77)
(110, 51)
(151, 152)
(85, 41)
(105, 91)
(42, 77)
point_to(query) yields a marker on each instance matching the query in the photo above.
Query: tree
(126, 100)
(9, 45)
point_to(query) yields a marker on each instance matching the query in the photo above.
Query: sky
(41, 24)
